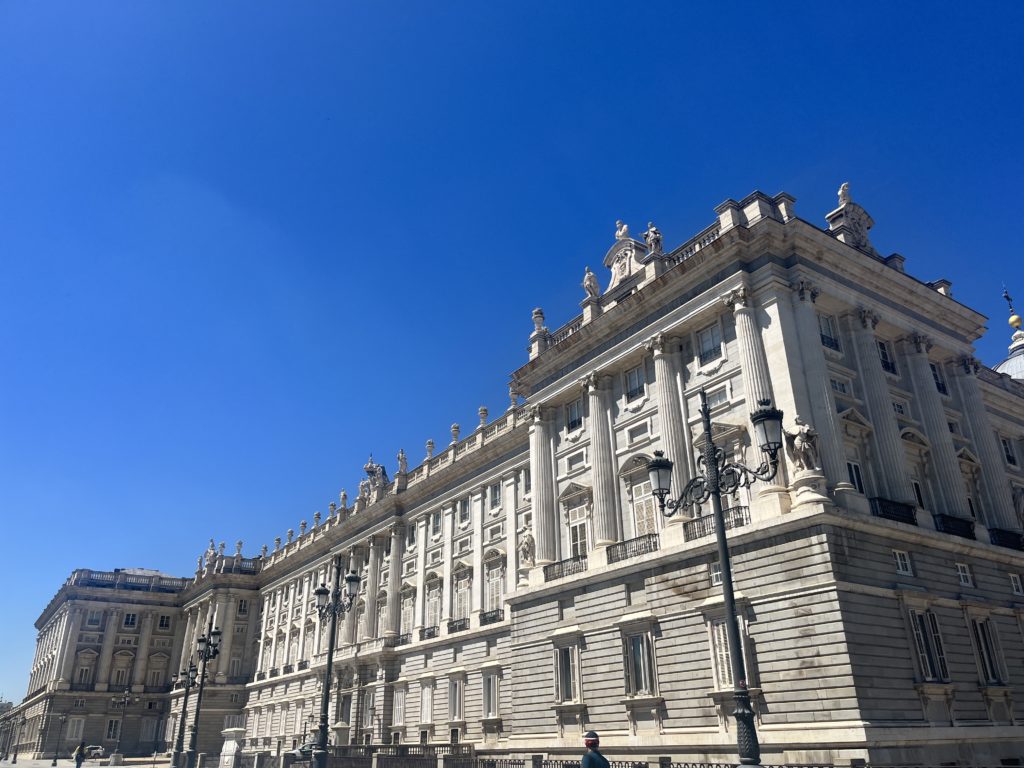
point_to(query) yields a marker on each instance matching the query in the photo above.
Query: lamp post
(125, 700)
(717, 476)
(17, 739)
(207, 648)
(60, 734)
(187, 677)
(331, 603)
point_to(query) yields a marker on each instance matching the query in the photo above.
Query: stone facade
(520, 586)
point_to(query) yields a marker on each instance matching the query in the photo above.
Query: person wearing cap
(593, 757)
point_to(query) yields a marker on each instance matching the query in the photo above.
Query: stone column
(993, 477)
(670, 409)
(376, 546)
(288, 631)
(226, 622)
(508, 505)
(188, 647)
(823, 412)
(393, 627)
(273, 623)
(448, 529)
(306, 589)
(421, 571)
(142, 653)
(753, 363)
(542, 474)
(265, 614)
(889, 455)
(69, 649)
(602, 460)
(177, 644)
(350, 623)
(945, 464)
(477, 505)
(113, 622)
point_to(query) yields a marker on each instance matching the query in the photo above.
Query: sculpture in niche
(526, 549)
(802, 446)
(590, 284)
(653, 239)
(621, 230)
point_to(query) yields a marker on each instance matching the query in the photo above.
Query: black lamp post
(187, 677)
(716, 476)
(207, 648)
(125, 700)
(17, 739)
(60, 734)
(331, 603)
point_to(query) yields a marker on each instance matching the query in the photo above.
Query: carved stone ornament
(538, 320)
(802, 446)
(527, 550)
(921, 342)
(868, 319)
(430, 449)
(403, 462)
(737, 298)
(590, 284)
(969, 365)
(621, 230)
(806, 290)
(653, 239)
(844, 194)
(658, 344)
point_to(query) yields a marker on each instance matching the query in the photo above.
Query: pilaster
(545, 516)
(671, 405)
(393, 627)
(142, 653)
(602, 460)
(376, 546)
(110, 628)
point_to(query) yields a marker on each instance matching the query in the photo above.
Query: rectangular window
(566, 681)
(155, 677)
(840, 386)
(491, 708)
(75, 727)
(494, 594)
(1008, 451)
(903, 566)
(720, 655)
(433, 606)
(574, 415)
(645, 511)
(987, 648)
(963, 573)
(120, 676)
(715, 573)
(463, 511)
(427, 703)
(636, 433)
(461, 607)
(130, 620)
(717, 398)
(578, 532)
(574, 462)
(243, 607)
(527, 480)
(435, 524)
(235, 666)
(940, 382)
(454, 699)
(931, 656)
(886, 358)
(899, 407)
(369, 709)
(147, 729)
(639, 662)
(853, 470)
(918, 493)
(79, 703)
(827, 328)
(84, 675)
(1015, 584)
(398, 716)
(495, 495)
(112, 729)
(954, 428)
(165, 622)
(95, 617)
(709, 344)
(410, 535)
(635, 383)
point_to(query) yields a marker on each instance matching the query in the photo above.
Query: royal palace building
(521, 585)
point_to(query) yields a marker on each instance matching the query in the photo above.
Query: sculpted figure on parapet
(590, 284)
(653, 239)
(526, 549)
(403, 462)
(621, 230)
(802, 446)
(844, 193)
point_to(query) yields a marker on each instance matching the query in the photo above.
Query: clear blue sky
(243, 245)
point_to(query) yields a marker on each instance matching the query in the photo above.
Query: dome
(1013, 366)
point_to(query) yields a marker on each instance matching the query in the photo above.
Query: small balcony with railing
(1004, 538)
(830, 342)
(956, 526)
(428, 633)
(699, 527)
(492, 617)
(627, 550)
(564, 568)
(458, 625)
(893, 510)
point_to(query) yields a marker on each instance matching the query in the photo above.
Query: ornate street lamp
(17, 739)
(125, 700)
(207, 648)
(331, 603)
(60, 734)
(187, 677)
(716, 476)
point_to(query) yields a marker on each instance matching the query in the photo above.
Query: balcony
(304, 664)
(403, 639)
(565, 568)
(707, 355)
(261, 676)
(1008, 539)
(830, 342)
(274, 672)
(458, 625)
(492, 617)
(893, 510)
(698, 528)
(287, 669)
(957, 526)
(626, 550)
(426, 633)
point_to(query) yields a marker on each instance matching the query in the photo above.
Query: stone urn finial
(344, 499)
(302, 528)
(277, 543)
(263, 551)
(482, 412)
(238, 547)
(332, 508)
(430, 449)
(538, 320)
(291, 535)
(316, 519)
(455, 433)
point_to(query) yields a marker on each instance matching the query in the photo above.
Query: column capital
(737, 298)
(594, 382)
(920, 342)
(539, 413)
(805, 290)
(968, 365)
(868, 319)
(661, 344)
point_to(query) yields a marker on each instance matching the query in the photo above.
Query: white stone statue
(653, 239)
(590, 284)
(844, 193)
(526, 549)
(403, 462)
(343, 498)
(802, 446)
(621, 230)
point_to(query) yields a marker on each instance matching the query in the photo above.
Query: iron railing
(403, 639)
(707, 355)
(625, 550)
(458, 625)
(565, 567)
(957, 526)
(428, 632)
(830, 341)
(304, 664)
(1003, 538)
(735, 517)
(893, 510)
(492, 617)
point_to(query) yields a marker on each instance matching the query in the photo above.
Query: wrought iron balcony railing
(893, 510)
(957, 526)
(492, 617)
(735, 517)
(625, 550)
(565, 568)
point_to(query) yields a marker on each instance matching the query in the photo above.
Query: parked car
(95, 750)
(305, 752)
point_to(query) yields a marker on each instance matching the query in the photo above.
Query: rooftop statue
(844, 193)
(590, 284)
(653, 239)
(403, 462)
(621, 230)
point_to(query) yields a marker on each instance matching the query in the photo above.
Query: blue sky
(243, 245)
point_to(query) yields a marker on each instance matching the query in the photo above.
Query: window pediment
(574, 496)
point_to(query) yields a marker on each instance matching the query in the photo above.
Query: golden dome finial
(1015, 320)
